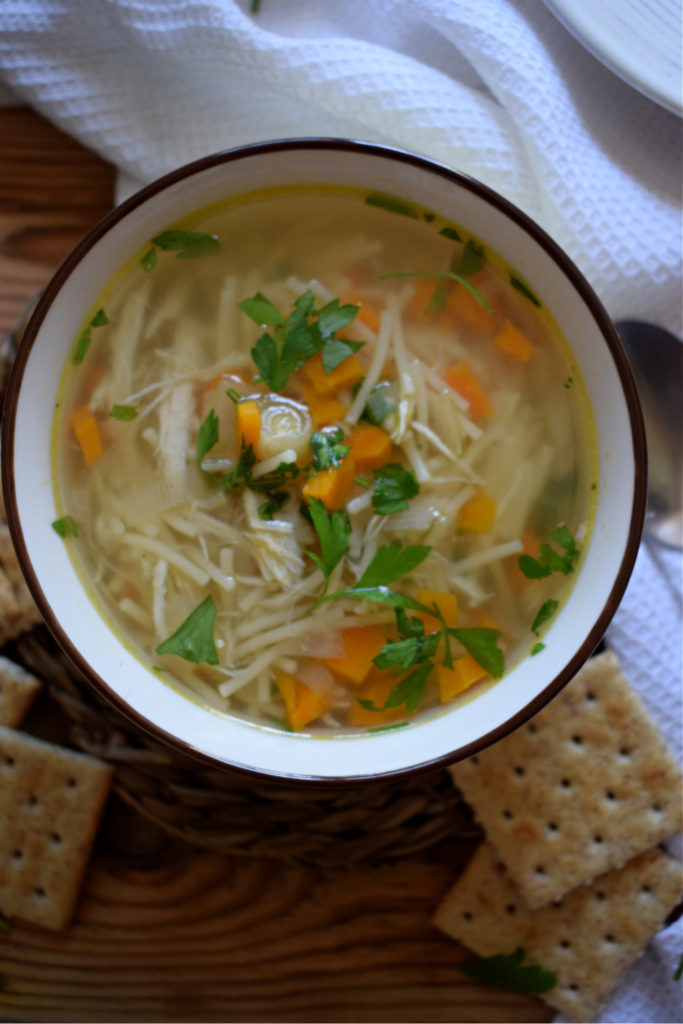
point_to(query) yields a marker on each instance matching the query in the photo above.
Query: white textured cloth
(495, 88)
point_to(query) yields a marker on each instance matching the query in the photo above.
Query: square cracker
(582, 788)
(18, 612)
(51, 800)
(18, 689)
(587, 939)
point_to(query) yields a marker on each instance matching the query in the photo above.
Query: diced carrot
(478, 513)
(445, 602)
(361, 644)
(347, 373)
(452, 681)
(248, 423)
(87, 434)
(367, 313)
(370, 447)
(511, 340)
(463, 305)
(377, 689)
(464, 380)
(302, 703)
(332, 486)
(323, 410)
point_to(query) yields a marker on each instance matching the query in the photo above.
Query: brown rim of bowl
(554, 252)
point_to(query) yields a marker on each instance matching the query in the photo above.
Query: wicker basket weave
(226, 811)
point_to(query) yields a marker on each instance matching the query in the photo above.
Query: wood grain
(164, 932)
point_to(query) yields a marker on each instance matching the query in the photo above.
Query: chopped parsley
(394, 485)
(524, 290)
(100, 319)
(272, 504)
(65, 527)
(678, 973)
(124, 413)
(507, 970)
(207, 436)
(328, 448)
(298, 337)
(334, 534)
(387, 728)
(193, 640)
(545, 612)
(149, 261)
(392, 203)
(549, 560)
(189, 245)
(450, 233)
(537, 648)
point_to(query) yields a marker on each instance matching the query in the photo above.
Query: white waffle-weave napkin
(495, 88)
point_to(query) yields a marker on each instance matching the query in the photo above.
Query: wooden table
(168, 932)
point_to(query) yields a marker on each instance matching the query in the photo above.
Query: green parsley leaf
(241, 474)
(412, 650)
(537, 648)
(387, 728)
(207, 436)
(334, 316)
(283, 473)
(447, 274)
(472, 260)
(550, 561)
(546, 611)
(65, 527)
(450, 233)
(123, 412)
(265, 355)
(100, 319)
(394, 485)
(482, 644)
(405, 626)
(328, 450)
(389, 563)
(382, 595)
(193, 640)
(408, 691)
(189, 245)
(505, 970)
(336, 351)
(334, 533)
(261, 310)
(255, 5)
(149, 261)
(392, 203)
(524, 290)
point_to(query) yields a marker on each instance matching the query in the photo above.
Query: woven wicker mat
(226, 811)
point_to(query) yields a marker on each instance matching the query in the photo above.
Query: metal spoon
(656, 357)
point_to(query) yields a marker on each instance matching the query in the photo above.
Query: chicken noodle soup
(323, 459)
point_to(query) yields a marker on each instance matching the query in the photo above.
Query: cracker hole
(519, 770)
(532, 728)
(71, 783)
(573, 987)
(56, 839)
(553, 827)
(590, 696)
(474, 759)
(539, 869)
(17, 854)
(511, 909)
(577, 740)
(600, 895)
(31, 800)
(610, 938)
(508, 815)
(656, 808)
(597, 839)
(624, 752)
(645, 888)
(466, 915)
(566, 784)
(609, 795)
(9, 761)
(39, 892)
(565, 944)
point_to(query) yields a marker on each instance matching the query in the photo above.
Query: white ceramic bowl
(97, 651)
